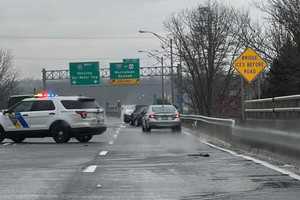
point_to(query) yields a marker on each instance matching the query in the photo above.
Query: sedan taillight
(151, 115)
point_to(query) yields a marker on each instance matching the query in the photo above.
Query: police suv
(48, 115)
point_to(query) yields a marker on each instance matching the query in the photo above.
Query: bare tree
(207, 42)
(279, 42)
(7, 77)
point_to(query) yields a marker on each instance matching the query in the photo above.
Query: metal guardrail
(275, 104)
(210, 120)
(283, 98)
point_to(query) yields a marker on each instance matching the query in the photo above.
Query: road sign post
(249, 65)
(125, 73)
(84, 73)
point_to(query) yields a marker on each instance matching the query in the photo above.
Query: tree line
(209, 37)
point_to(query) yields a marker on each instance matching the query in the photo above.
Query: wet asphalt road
(125, 163)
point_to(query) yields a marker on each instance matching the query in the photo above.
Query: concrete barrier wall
(277, 137)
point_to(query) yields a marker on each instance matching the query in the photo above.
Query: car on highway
(49, 115)
(127, 110)
(17, 98)
(134, 114)
(139, 116)
(161, 117)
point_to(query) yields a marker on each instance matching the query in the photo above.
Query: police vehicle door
(41, 113)
(17, 116)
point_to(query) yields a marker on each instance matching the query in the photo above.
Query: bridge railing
(279, 138)
(216, 127)
(285, 107)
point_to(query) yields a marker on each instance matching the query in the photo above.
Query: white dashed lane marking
(90, 169)
(103, 153)
(111, 142)
(5, 144)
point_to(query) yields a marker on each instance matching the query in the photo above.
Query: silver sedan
(160, 117)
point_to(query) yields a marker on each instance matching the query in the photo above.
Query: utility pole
(179, 72)
(162, 81)
(172, 73)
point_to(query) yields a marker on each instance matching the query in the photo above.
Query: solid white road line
(257, 161)
(103, 153)
(90, 169)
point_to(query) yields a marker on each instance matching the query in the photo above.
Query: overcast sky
(51, 33)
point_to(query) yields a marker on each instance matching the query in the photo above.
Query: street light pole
(162, 81)
(172, 72)
(165, 41)
(161, 60)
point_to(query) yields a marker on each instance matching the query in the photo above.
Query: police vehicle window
(24, 106)
(80, 104)
(44, 105)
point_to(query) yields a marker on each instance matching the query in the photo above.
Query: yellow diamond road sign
(249, 64)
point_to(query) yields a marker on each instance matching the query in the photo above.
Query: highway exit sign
(84, 73)
(250, 64)
(126, 72)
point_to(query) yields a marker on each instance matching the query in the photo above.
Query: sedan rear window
(163, 109)
(80, 104)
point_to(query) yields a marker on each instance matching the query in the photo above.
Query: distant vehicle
(135, 113)
(127, 110)
(160, 117)
(47, 115)
(17, 98)
(137, 121)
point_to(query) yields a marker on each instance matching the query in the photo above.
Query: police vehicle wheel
(18, 139)
(84, 138)
(60, 133)
(2, 135)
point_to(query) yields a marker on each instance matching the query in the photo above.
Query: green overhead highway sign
(84, 73)
(126, 72)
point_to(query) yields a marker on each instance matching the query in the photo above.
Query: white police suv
(48, 115)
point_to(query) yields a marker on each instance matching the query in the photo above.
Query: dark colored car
(139, 116)
(135, 113)
(17, 98)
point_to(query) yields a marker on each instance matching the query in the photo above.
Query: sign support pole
(44, 78)
(259, 86)
(242, 99)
